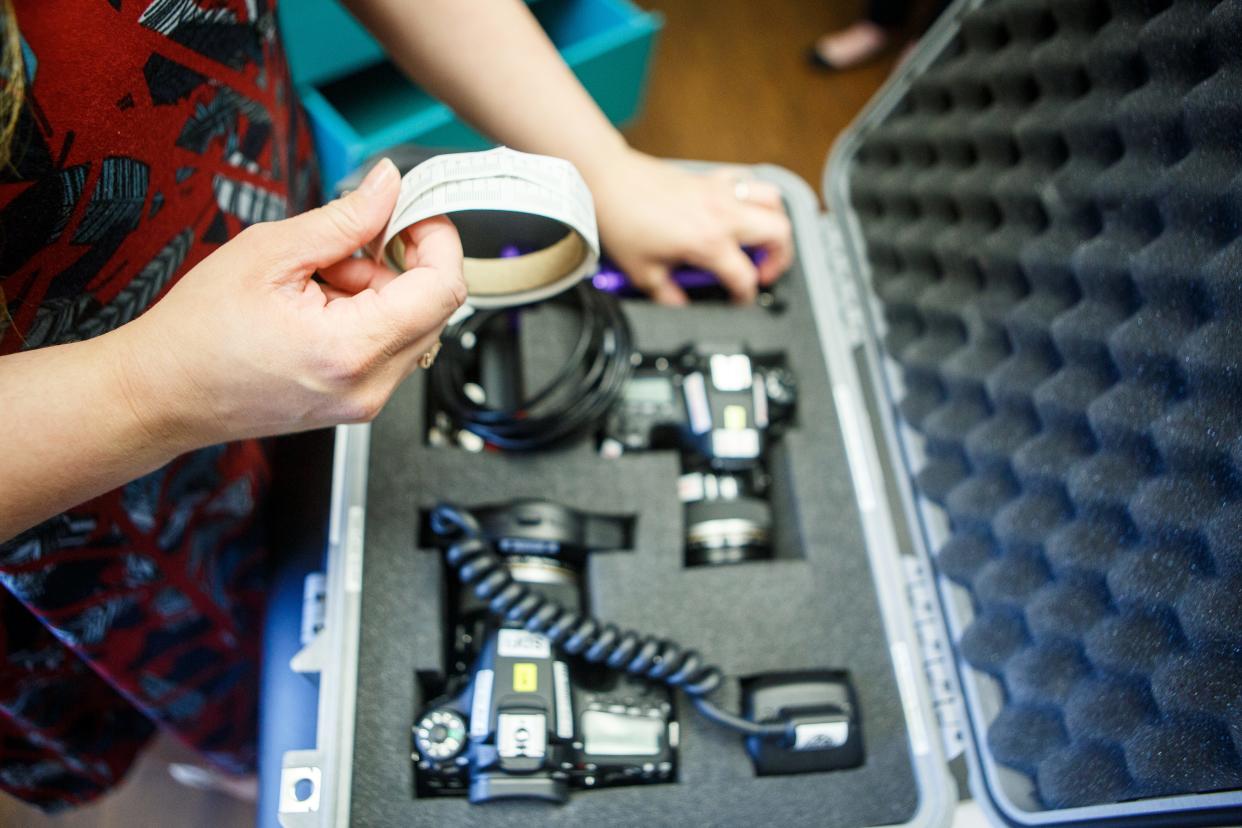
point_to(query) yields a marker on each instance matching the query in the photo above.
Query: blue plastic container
(323, 41)
(359, 103)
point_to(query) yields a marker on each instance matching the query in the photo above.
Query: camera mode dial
(440, 736)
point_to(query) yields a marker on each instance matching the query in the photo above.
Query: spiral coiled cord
(571, 403)
(479, 566)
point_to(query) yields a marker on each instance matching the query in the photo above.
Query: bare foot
(851, 46)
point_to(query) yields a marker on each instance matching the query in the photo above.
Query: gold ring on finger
(429, 358)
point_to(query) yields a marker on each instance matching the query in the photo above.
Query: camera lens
(528, 569)
(727, 531)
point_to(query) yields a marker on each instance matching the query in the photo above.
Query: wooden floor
(147, 797)
(731, 83)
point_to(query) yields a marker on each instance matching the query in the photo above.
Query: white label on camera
(564, 701)
(821, 735)
(735, 445)
(690, 487)
(731, 372)
(760, 396)
(481, 705)
(523, 644)
(697, 406)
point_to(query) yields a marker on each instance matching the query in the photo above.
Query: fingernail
(378, 177)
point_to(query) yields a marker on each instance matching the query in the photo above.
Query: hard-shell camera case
(1010, 503)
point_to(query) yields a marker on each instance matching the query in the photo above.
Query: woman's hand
(249, 344)
(246, 344)
(654, 216)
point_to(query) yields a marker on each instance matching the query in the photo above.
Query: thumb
(415, 303)
(423, 298)
(328, 234)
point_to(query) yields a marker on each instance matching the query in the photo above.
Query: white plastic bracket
(849, 311)
(937, 655)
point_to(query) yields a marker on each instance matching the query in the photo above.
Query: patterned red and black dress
(152, 132)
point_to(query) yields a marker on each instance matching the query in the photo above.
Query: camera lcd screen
(649, 390)
(613, 734)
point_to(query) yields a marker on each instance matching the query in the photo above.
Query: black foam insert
(813, 606)
(1052, 216)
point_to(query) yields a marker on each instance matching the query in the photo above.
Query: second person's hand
(654, 215)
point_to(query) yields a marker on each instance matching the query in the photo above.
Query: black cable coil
(478, 565)
(580, 394)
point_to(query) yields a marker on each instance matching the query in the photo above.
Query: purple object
(611, 279)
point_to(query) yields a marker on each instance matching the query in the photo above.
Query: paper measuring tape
(503, 201)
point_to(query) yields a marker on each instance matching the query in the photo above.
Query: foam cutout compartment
(813, 606)
(1053, 218)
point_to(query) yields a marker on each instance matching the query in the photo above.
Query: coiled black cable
(479, 566)
(580, 394)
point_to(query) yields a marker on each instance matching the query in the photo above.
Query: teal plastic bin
(359, 103)
(323, 41)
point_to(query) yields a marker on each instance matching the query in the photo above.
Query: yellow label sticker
(735, 417)
(525, 677)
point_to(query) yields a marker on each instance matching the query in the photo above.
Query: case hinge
(849, 309)
(937, 655)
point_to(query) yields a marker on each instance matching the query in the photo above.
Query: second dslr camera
(721, 408)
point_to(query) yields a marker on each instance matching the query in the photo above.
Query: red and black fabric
(151, 133)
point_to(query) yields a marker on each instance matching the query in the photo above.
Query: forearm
(71, 430)
(491, 62)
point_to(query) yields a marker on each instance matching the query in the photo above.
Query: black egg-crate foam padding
(815, 607)
(1052, 217)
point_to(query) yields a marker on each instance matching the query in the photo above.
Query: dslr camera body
(721, 408)
(520, 721)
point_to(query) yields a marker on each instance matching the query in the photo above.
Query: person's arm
(491, 62)
(71, 429)
(246, 344)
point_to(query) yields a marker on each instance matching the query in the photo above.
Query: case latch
(314, 593)
(937, 655)
(849, 310)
